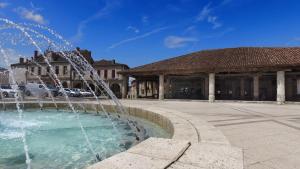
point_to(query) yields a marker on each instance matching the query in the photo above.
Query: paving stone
(130, 161)
(167, 149)
(179, 165)
(258, 166)
(285, 162)
(213, 156)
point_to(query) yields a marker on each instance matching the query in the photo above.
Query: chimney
(21, 60)
(114, 61)
(36, 53)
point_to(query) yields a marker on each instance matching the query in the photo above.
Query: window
(39, 70)
(57, 70)
(113, 74)
(98, 72)
(105, 74)
(65, 70)
(48, 69)
(32, 69)
(298, 86)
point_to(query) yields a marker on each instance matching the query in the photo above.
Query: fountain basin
(55, 140)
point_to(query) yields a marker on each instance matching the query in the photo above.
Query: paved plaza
(269, 134)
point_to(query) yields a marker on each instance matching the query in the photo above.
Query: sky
(137, 32)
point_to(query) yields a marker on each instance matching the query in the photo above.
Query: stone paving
(194, 144)
(269, 134)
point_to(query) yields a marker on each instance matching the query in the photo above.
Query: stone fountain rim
(184, 129)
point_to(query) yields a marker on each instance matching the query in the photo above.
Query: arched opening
(92, 87)
(65, 84)
(116, 89)
(78, 86)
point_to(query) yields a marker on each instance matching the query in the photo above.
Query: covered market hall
(247, 73)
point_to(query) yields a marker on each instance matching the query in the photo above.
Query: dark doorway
(116, 89)
(292, 86)
(267, 88)
(184, 87)
(92, 87)
(234, 88)
(65, 84)
(78, 86)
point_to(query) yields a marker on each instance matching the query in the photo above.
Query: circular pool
(55, 139)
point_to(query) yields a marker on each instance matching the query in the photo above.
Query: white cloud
(134, 29)
(206, 15)
(109, 5)
(31, 15)
(3, 4)
(122, 42)
(214, 21)
(178, 42)
(205, 12)
(190, 29)
(34, 7)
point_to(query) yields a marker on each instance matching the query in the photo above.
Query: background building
(36, 70)
(266, 74)
(109, 70)
(4, 76)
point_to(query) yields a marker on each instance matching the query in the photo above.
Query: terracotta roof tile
(230, 59)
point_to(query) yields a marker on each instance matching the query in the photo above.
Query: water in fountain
(30, 37)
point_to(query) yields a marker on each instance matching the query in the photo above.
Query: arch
(92, 87)
(116, 89)
(65, 84)
(78, 86)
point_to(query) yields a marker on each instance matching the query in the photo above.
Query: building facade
(4, 76)
(261, 74)
(36, 70)
(108, 70)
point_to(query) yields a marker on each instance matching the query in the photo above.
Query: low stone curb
(194, 143)
(209, 148)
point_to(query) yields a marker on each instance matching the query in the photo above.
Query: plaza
(268, 134)
(181, 84)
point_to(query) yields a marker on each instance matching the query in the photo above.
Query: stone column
(152, 90)
(137, 89)
(145, 88)
(256, 87)
(161, 87)
(211, 87)
(280, 87)
(124, 86)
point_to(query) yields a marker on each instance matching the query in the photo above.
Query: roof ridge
(242, 57)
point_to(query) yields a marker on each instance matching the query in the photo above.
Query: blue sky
(137, 32)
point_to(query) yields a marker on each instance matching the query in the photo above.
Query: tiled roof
(225, 60)
(104, 62)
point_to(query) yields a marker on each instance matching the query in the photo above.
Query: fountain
(101, 129)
